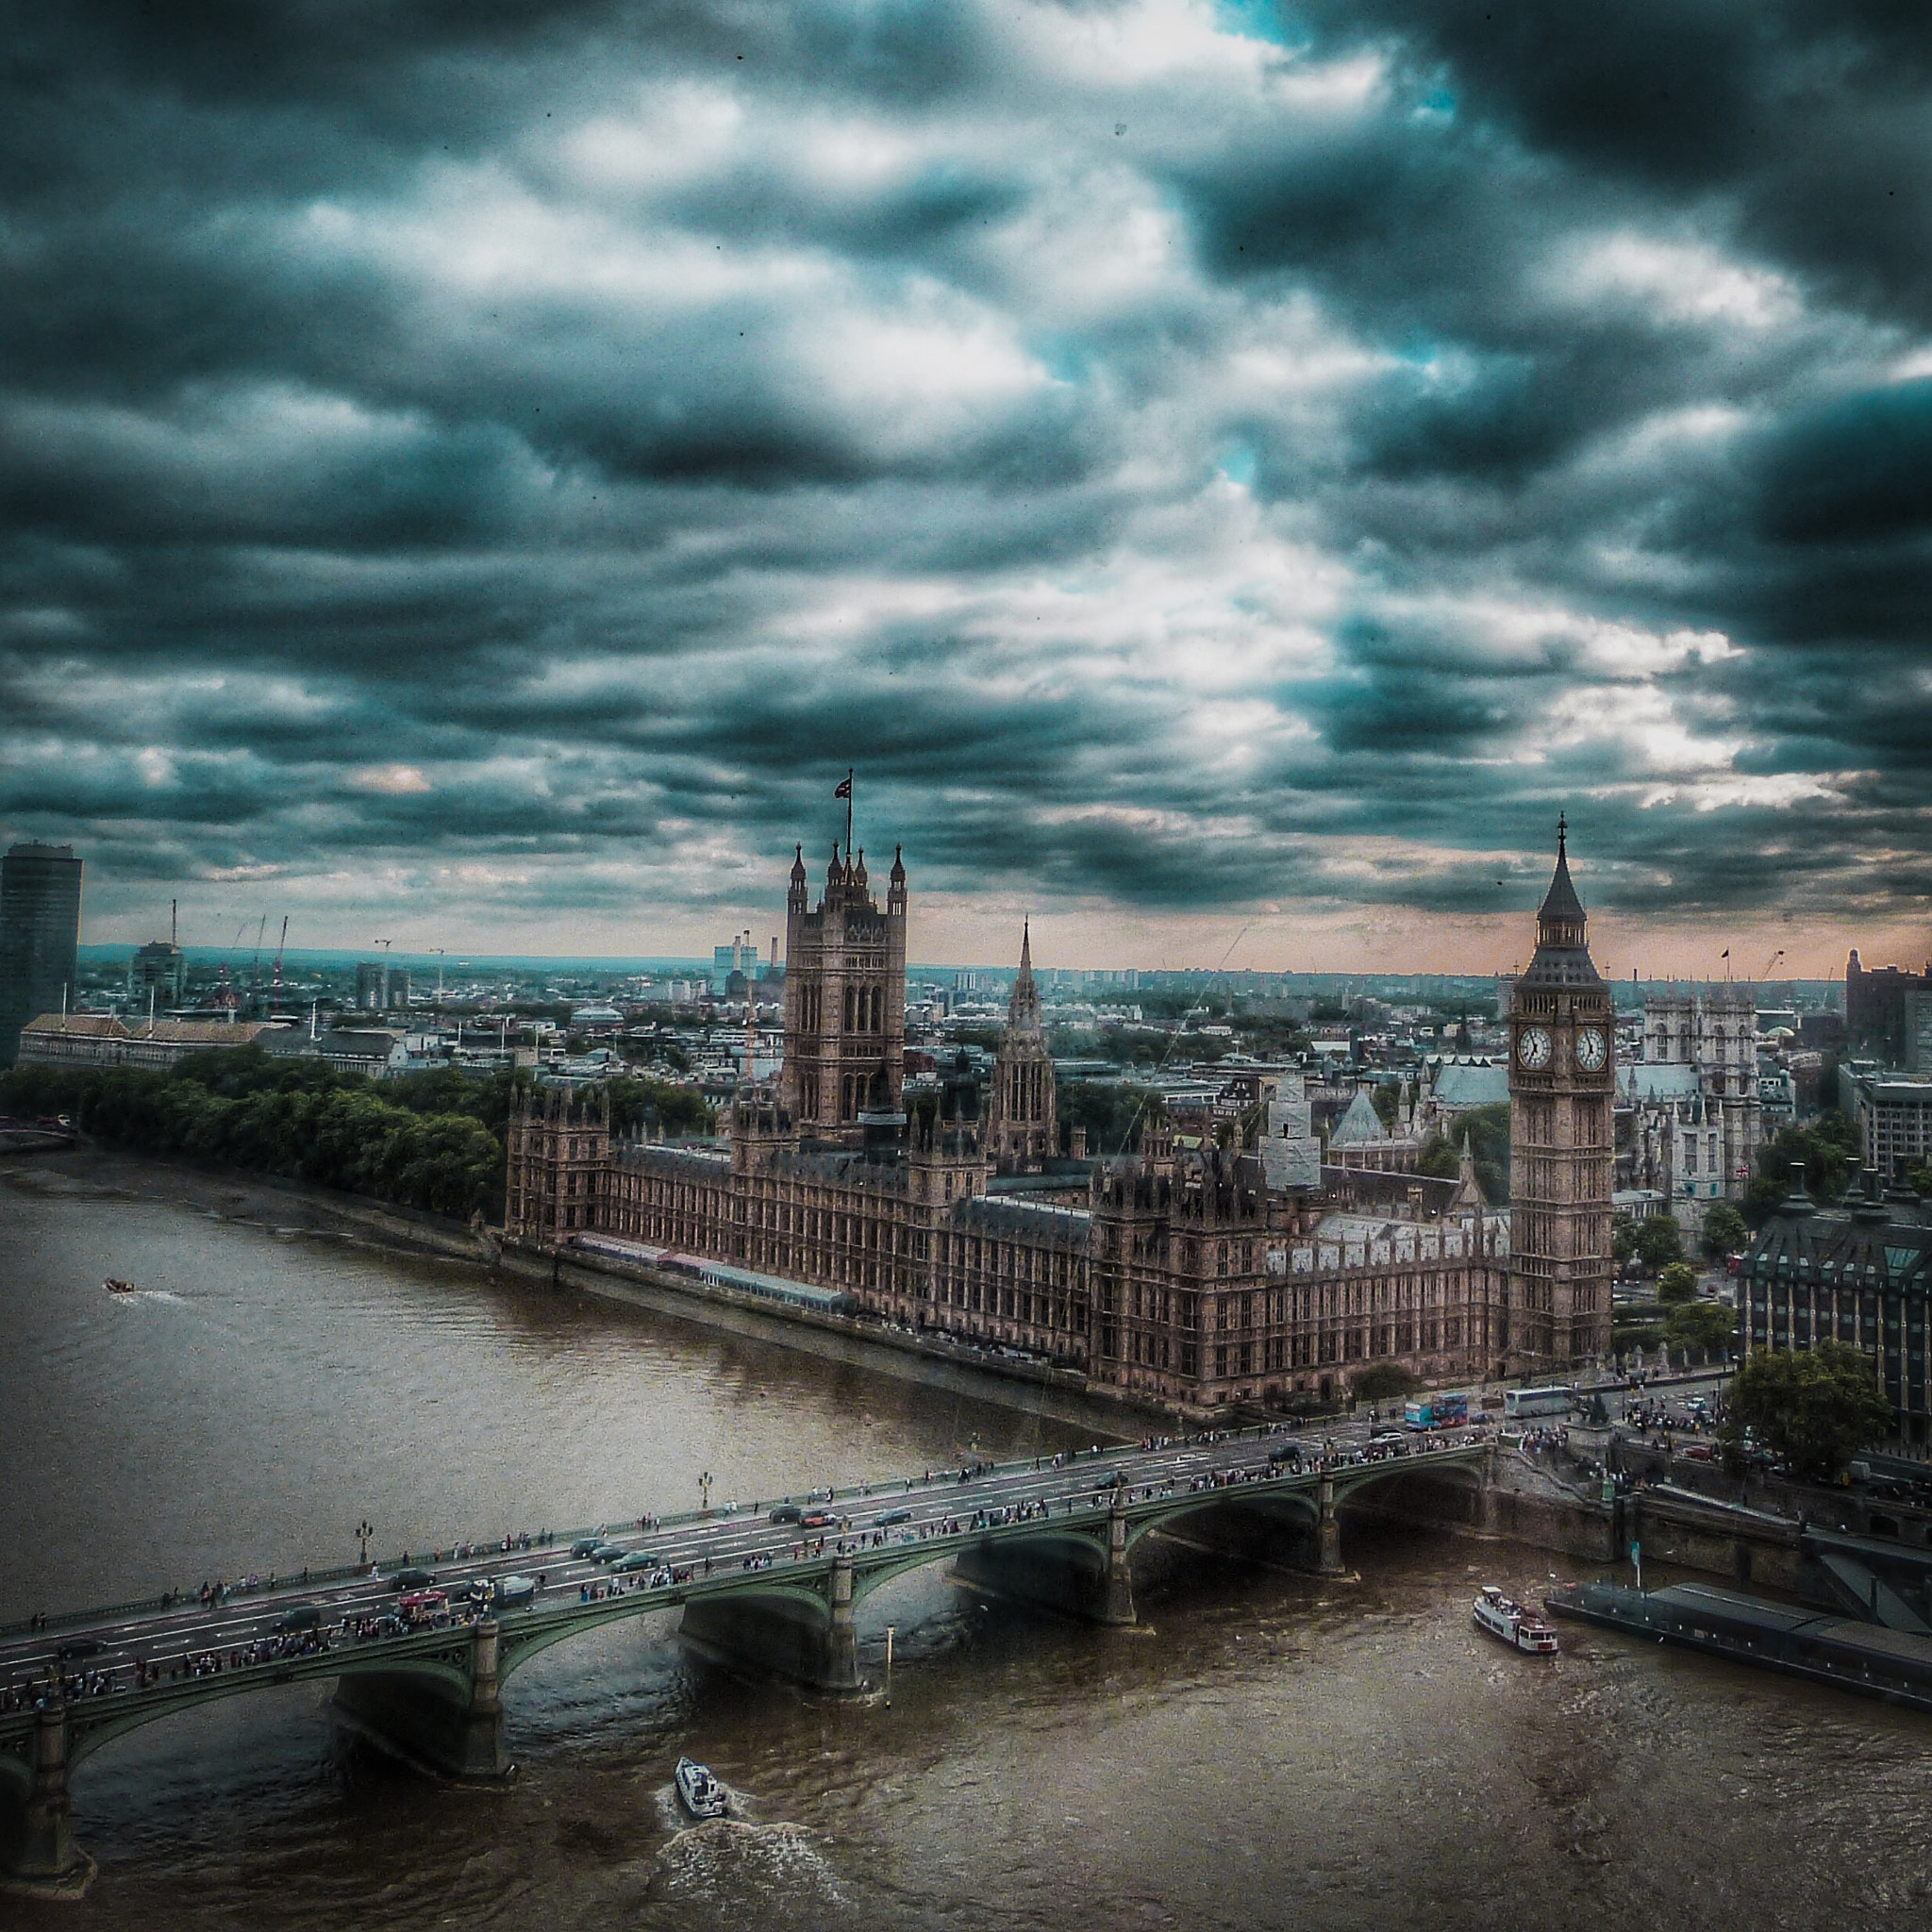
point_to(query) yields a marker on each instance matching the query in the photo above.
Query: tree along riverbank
(432, 1142)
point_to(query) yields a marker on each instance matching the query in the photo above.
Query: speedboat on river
(703, 1795)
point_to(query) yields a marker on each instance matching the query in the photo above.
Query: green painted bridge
(778, 1590)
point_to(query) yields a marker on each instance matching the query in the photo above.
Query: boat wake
(723, 1875)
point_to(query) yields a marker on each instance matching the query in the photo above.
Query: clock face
(1533, 1047)
(1590, 1050)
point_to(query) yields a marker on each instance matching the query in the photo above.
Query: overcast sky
(1225, 476)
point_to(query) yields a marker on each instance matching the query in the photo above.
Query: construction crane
(1770, 963)
(228, 999)
(281, 945)
(255, 964)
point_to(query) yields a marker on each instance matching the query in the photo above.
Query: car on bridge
(76, 1648)
(892, 1516)
(587, 1547)
(786, 1512)
(818, 1519)
(608, 1553)
(300, 1617)
(412, 1579)
(637, 1559)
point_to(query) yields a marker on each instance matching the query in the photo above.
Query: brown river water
(1264, 1751)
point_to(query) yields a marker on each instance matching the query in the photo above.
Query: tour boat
(1511, 1622)
(703, 1795)
(114, 1285)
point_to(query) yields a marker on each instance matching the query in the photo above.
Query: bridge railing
(867, 1491)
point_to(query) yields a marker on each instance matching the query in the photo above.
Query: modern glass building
(40, 936)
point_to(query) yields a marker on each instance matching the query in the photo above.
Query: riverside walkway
(420, 1665)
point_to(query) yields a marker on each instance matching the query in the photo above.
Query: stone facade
(1023, 1121)
(844, 998)
(1183, 1279)
(1694, 1114)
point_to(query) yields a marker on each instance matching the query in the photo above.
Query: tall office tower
(40, 937)
(1562, 1086)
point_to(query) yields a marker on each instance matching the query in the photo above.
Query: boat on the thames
(115, 1284)
(1512, 1623)
(703, 1795)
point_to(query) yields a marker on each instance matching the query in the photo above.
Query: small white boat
(703, 1795)
(1512, 1623)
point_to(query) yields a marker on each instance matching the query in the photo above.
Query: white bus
(1523, 1402)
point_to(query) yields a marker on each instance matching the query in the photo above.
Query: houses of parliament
(1193, 1278)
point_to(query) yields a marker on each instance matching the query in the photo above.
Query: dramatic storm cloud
(482, 471)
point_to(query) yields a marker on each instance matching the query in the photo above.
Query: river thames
(1265, 1750)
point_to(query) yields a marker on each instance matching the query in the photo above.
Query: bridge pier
(430, 1726)
(1117, 1596)
(1073, 1575)
(815, 1645)
(40, 1854)
(1327, 1532)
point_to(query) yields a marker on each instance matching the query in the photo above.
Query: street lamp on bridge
(364, 1530)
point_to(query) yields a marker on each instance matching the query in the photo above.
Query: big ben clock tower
(1563, 1084)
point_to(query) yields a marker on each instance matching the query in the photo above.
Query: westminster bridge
(772, 1585)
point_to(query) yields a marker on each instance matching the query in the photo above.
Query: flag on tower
(843, 788)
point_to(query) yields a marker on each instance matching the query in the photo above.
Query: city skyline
(1225, 476)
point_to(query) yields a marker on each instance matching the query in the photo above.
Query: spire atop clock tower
(1562, 928)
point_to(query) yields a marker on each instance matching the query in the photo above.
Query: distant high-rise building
(1875, 1008)
(40, 936)
(158, 971)
(381, 987)
(740, 956)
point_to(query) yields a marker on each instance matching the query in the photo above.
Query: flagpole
(848, 814)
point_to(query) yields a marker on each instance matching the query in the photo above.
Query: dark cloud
(515, 456)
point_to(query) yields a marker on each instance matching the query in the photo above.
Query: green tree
(1485, 1128)
(1658, 1241)
(1724, 1231)
(1815, 1407)
(1704, 1327)
(677, 1112)
(1827, 1148)
(1115, 1113)
(1384, 1382)
(1677, 1284)
(1623, 1240)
